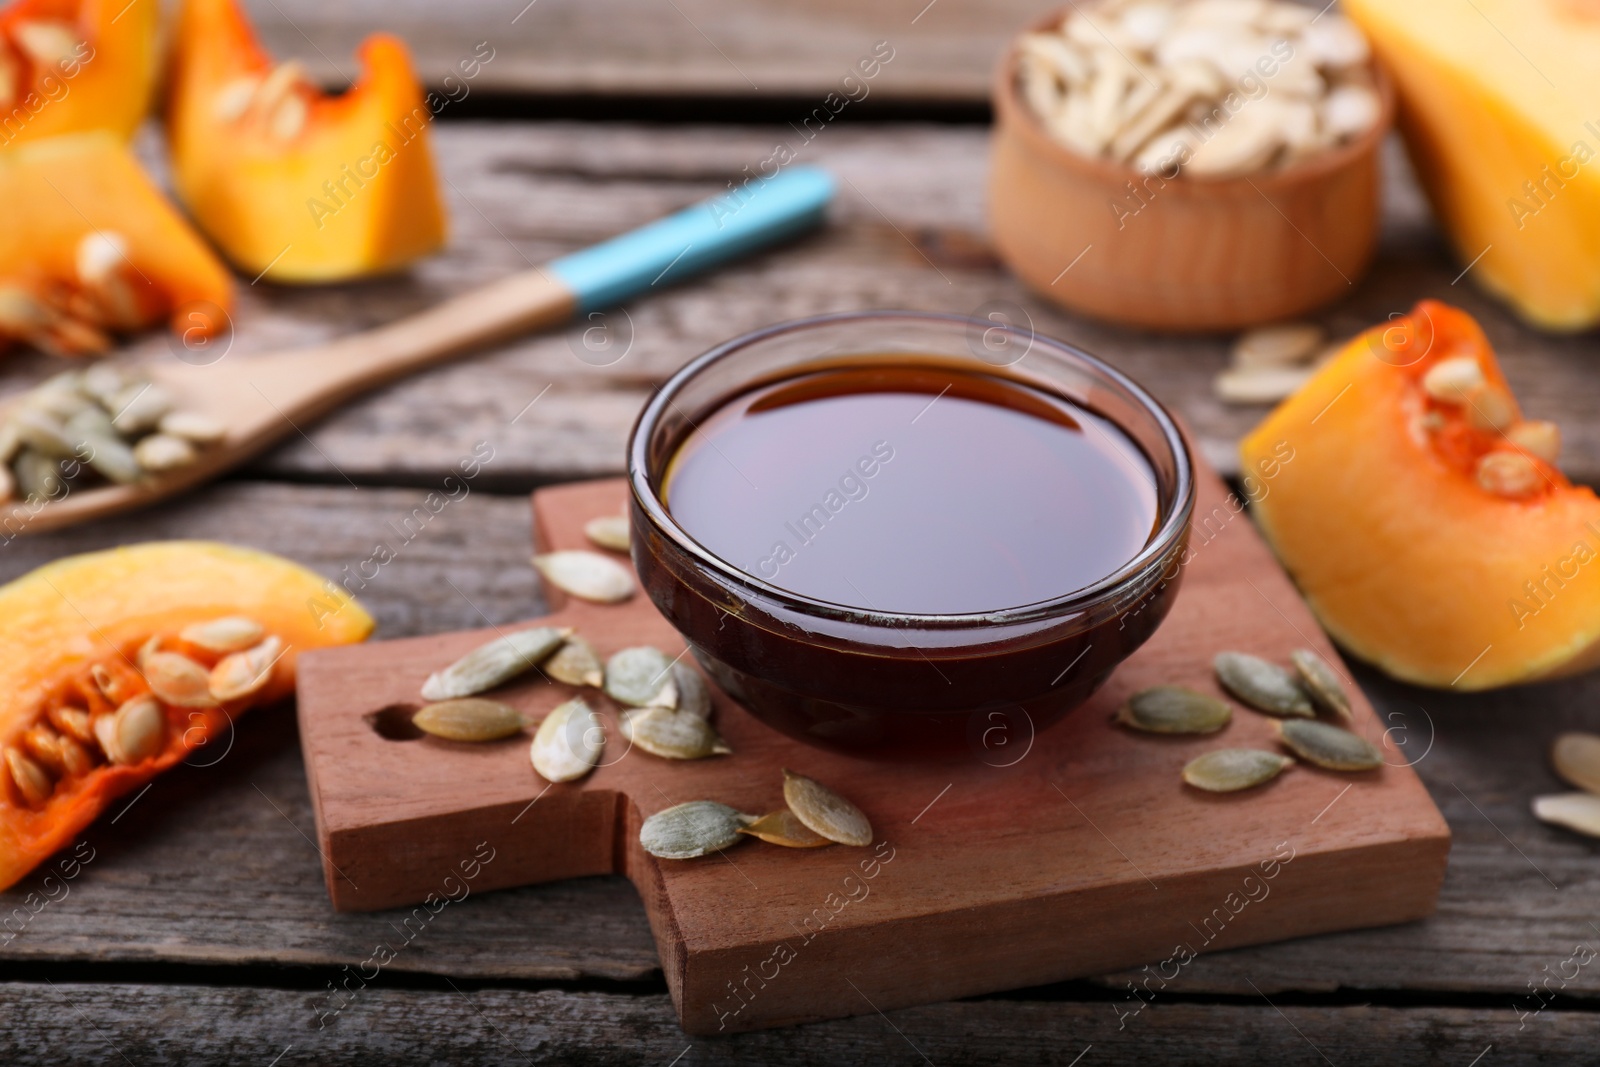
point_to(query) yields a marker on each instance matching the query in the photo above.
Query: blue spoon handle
(709, 233)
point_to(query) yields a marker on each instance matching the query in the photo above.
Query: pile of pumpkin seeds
(813, 816)
(1270, 363)
(1292, 697)
(103, 424)
(1576, 759)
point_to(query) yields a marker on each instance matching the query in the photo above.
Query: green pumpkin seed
(696, 828)
(1577, 760)
(575, 663)
(825, 812)
(672, 734)
(1264, 686)
(784, 828)
(568, 743)
(608, 531)
(1320, 681)
(1172, 709)
(468, 719)
(494, 663)
(586, 575)
(694, 696)
(1229, 769)
(1328, 746)
(1575, 811)
(641, 677)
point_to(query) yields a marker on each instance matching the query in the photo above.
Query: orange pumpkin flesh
(76, 639)
(1428, 534)
(89, 246)
(73, 65)
(289, 181)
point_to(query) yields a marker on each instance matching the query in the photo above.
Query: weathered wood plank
(43, 1026)
(906, 232)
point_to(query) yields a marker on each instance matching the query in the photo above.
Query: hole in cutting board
(393, 723)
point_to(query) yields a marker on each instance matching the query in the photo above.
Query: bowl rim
(1162, 542)
(1012, 112)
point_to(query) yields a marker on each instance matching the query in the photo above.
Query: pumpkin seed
(1230, 769)
(1259, 385)
(1453, 380)
(586, 575)
(495, 663)
(1537, 437)
(575, 663)
(75, 759)
(609, 531)
(133, 732)
(1320, 681)
(685, 831)
(785, 828)
(672, 734)
(1264, 686)
(161, 452)
(139, 408)
(47, 41)
(246, 673)
(74, 722)
(31, 780)
(641, 677)
(469, 719)
(1288, 344)
(231, 633)
(177, 679)
(235, 98)
(106, 451)
(694, 696)
(43, 433)
(1172, 709)
(39, 477)
(193, 426)
(1328, 746)
(825, 812)
(44, 745)
(1575, 811)
(1508, 474)
(1491, 409)
(113, 687)
(103, 381)
(568, 743)
(1576, 758)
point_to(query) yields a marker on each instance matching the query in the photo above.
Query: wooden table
(201, 931)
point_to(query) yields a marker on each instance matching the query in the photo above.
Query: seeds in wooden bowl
(825, 812)
(1575, 811)
(1228, 770)
(575, 663)
(1321, 682)
(696, 828)
(1262, 685)
(608, 531)
(586, 575)
(495, 663)
(568, 743)
(469, 719)
(1172, 709)
(1328, 746)
(641, 677)
(1576, 758)
(672, 734)
(784, 828)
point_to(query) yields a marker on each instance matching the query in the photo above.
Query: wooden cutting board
(1074, 852)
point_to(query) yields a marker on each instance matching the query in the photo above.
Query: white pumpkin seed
(177, 679)
(641, 677)
(1575, 811)
(230, 633)
(1491, 409)
(784, 828)
(694, 695)
(568, 743)
(30, 778)
(1508, 474)
(133, 732)
(1289, 344)
(1320, 681)
(1230, 769)
(1576, 758)
(586, 575)
(576, 663)
(1264, 686)
(609, 531)
(104, 448)
(139, 408)
(74, 722)
(495, 663)
(243, 674)
(469, 719)
(193, 426)
(160, 452)
(1453, 380)
(1260, 385)
(48, 42)
(1537, 437)
(1172, 709)
(825, 812)
(1328, 746)
(696, 828)
(672, 734)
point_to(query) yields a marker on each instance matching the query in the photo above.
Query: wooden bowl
(1188, 254)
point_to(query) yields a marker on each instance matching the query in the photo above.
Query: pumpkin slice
(291, 183)
(1497, 107)
(73, 65)
(1423, 518)
(115, 665)
(89, 246)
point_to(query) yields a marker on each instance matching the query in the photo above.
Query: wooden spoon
(262, 399)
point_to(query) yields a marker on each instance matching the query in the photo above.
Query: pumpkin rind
(1405, 558)
(99, 608)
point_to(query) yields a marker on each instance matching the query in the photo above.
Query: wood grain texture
(1055, 857)
(200, 1026)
